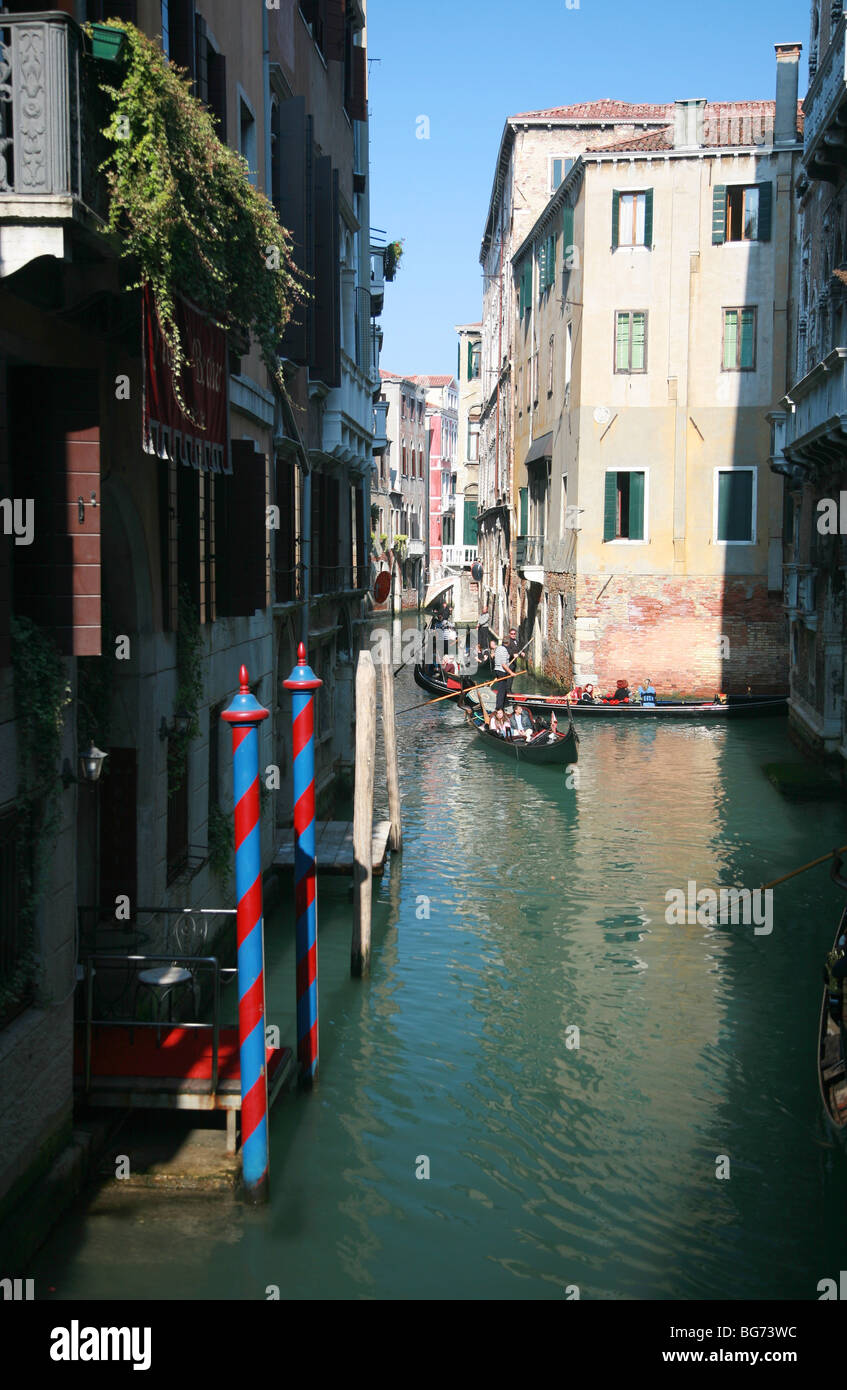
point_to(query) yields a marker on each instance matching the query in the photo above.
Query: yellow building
(651, 322)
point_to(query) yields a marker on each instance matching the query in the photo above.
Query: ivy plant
(185, 211)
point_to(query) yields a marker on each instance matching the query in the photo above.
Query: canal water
(523, 909)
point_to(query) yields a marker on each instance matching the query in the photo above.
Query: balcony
(800, 594)
(825, 112)
(51, 113)
(529, 554)
(415, 547)
(378, 278)
(460, 556)
(380, 425)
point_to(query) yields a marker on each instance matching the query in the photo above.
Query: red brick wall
(670, 628)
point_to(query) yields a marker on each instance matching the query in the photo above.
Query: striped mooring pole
(244, 715)
(303, 683)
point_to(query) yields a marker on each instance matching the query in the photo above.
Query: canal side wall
(691, 634)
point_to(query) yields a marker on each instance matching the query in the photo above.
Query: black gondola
(832, 1073)
(443, 684)
(735, 707)
(539, 752)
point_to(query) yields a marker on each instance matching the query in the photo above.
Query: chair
(162, 980)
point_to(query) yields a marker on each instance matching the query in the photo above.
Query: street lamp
(90, 766)
(180, 725)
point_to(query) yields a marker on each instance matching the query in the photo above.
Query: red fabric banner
(168, 433)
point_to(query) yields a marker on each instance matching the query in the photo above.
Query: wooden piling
(363, 803)
(389, 733)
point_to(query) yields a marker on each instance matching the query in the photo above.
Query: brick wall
(696, 635)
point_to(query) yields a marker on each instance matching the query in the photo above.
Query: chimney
(688, 123)
(787, 75)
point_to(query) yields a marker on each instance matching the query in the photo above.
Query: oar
(453, 695)
(803, 867)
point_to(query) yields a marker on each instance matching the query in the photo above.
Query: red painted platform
(169, 1060)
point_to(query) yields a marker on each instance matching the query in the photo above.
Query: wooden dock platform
(334, 848)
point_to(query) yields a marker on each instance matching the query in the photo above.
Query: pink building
(442, 413)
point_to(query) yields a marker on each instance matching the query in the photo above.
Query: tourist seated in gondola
(620, 694)
(548, 734)
(499, 725)
(647, 692)
(521, 724)
(588, 697)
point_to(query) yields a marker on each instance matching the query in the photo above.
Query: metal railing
(529, 550)
(103, 961)
(51, 112)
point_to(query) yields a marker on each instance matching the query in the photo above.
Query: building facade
(152, 573)
(649, 341)
(407, 457)
(809, 447)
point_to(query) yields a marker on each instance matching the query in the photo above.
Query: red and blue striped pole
(244, 715)
(303, 683)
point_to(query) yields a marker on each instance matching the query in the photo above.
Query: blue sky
(468, 64)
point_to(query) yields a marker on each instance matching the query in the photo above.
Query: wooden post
(389, 733)
(363, 814)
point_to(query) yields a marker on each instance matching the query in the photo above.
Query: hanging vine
(186, 212)
(42, 694)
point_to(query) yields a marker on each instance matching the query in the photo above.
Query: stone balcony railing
(51, 115)
(462, 556)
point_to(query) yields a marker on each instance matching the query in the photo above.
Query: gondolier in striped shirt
(502, 668)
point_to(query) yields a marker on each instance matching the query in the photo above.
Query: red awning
(168, 433)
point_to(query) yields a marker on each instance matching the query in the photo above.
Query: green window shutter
(636, 506)
(616, 217)
(735, 506)
(542, 267)
(527, 270)
(470, 531)
(521, 289)
(524, 501)
(730, 339)
(567, 232)
(718, 214)
(470, 358)
(610, 507)
(765, 210)
(558, 165)
(622, 323)
(648, 217)
(747, 345)
(639, 342)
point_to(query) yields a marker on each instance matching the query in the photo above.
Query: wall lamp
(90, 766)
(180, 725)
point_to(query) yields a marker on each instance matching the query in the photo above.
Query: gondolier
(503, 673)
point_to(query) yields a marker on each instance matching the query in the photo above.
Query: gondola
(735, 707)
(442, 684)
(562, 752)
(832, 1073)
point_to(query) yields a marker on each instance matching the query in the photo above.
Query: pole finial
(245, 681)
(301, 654)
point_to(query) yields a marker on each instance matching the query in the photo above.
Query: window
(523, 508)
(525, 287)
(546, 257)
(741, 212)
(739, 340)
(624, 506)
(403, 468)
(735, 510)
(632, 219)
(559, 170)
(247, 138)
(166, 30)
(630, 341)
(550, 348)
(475, 358)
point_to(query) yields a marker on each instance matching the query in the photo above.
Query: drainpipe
(306, 555)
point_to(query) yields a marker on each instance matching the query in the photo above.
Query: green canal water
(549, 1165)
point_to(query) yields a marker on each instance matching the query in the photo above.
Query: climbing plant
(186, 212)
(42, 694)
(220, 845)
